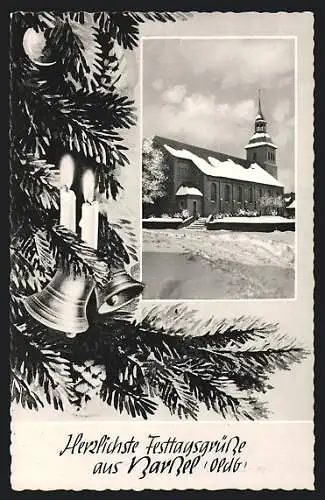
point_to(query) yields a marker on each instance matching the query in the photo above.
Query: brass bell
(61, 305)
(120, 291)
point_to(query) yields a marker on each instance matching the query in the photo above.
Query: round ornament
(36, 47)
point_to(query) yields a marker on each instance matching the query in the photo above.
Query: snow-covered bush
(185, 213)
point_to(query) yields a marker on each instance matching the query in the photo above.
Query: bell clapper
(71, 335)
(113, 300)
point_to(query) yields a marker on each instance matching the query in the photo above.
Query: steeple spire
(259, 116)
(259, 113)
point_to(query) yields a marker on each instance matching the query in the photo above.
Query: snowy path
(223, 265)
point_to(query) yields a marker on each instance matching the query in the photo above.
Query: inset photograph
(218, 168)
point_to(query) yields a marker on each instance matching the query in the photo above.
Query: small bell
(120, 291)
(61, 305)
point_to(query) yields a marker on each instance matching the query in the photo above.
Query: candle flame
(66, 171)
(88, 186)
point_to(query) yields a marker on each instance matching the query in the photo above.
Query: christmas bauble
(35, 46)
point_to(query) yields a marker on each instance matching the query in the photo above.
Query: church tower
(260, 148)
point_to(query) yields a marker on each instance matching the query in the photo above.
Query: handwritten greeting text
(157, 455)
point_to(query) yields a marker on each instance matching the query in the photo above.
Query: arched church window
(213, 192)
(227, 192)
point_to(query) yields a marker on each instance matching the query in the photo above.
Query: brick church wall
(184, 172)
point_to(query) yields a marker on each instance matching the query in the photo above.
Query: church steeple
(260, 148)
(260, 122)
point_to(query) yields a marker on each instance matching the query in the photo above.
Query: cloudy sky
(205, 92)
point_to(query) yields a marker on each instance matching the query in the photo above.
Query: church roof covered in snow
(217, 164)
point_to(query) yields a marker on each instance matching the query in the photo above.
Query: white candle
(67, 197)
(89, 211)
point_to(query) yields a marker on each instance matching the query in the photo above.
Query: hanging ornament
(62, 304)
(120, 291)
(36, 47)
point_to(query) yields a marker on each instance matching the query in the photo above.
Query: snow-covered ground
(276, 248)
(183, 264)
(259, 220)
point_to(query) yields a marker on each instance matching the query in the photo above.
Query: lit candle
(67, 196)
(89, 211)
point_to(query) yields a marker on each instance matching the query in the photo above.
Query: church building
(207, 182)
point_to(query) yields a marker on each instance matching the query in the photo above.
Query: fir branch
(41, 367)
(171, 387)
(236, 405)
(104, 109)
(78, 17)
(72, 253)
(44, 252)
(180, 319)
(124, 26)
(30, 270)
(212, 388)
(24, 279)
(37, 20)
(261, 360)
(21, 393)
(163, 17)
(124, 231)
(114, 64)
(34, 198)
(111, 244)
(76, 46)
(207, 371)
(124, 398)
(17, 310)
(107, 182)
(124, 29)
(35, 179)
(60, 120)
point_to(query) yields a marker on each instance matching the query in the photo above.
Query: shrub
(185, 214)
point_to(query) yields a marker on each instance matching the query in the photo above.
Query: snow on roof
(185, 190)
(226, 169)
(258, 135)
(253, 144)
(292, 205)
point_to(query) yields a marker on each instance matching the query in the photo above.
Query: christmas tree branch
(74, 254)
(41, 366)
(22, 393)
(124, 398)
(65, 121)
(111, 245)
(77, 48)
(124, 26)
(35, 178)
